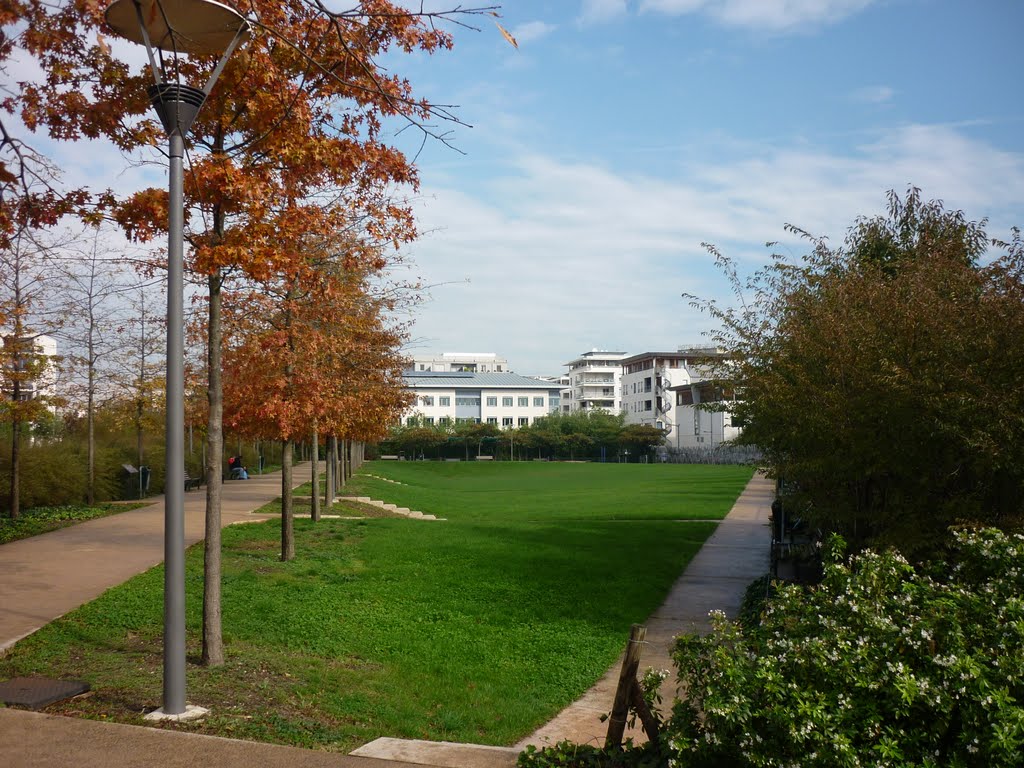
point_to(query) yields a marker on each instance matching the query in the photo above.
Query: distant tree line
(594, 435)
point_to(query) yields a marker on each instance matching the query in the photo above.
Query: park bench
(485, 458)
(192, 483)
(389, 458)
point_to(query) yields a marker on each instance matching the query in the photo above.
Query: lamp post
(176, 27)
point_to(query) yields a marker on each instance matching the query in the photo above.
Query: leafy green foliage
(880, 378)
(882, 664)
(43, 519)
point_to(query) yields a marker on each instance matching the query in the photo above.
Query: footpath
(45, 577)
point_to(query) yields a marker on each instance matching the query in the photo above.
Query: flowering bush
(881, 664)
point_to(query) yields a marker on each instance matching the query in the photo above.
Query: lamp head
(200, 27)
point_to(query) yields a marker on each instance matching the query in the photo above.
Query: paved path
(717, 577)
(44, 577)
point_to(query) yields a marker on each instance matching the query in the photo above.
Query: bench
(485, 458)
(389, 458)
(192, 483)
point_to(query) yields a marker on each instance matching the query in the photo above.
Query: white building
(503, 399)
(663, 390)
(44, 384)
(461, 362)
(697, 427)
(594, 382)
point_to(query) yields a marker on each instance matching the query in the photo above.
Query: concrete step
(439, 753)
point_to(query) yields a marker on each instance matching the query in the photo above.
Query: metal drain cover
(38, 692)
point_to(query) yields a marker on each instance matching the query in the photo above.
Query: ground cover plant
(43, 519)
(884, 663)
(478, 628)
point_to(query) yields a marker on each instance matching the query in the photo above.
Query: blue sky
(623, 133)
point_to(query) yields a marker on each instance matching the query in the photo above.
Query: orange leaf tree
(300, 110)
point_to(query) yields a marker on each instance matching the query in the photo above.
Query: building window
(647, 384)
(524, 402)
(492, 420)
(552, 402)
(647, 405)
(445, 401)
(506, 421)
(444, 420)
(506, 402)
(466, 401)
(427, 400)
(538, 402)
(429, 420)
(524, 421)
(492, 402)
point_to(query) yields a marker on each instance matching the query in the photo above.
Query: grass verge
(32, 522)
(477, 629)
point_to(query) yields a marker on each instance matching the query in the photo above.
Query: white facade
(44, 385)
(646, 398)
(698, 427)
(461, 362)
(662, 389)
(503, 399)
(594, 382)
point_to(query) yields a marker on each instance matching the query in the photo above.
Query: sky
(622, 134)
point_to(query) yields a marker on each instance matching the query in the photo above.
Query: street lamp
(176, 27)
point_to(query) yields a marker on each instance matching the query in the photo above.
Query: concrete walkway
(716, 579)
(46, 576)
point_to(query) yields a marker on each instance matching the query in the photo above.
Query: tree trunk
(287, 519)
(339, 474)
(213, 641)
(90, 417)
(314, 496)
(329, 475)
(15, 510)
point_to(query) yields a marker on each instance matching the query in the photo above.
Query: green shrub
(879, 665)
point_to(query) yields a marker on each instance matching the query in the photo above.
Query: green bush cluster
(882, 664)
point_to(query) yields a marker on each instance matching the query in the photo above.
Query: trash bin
(129, 481)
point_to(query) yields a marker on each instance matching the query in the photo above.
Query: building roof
(681, 354)
(448, 380)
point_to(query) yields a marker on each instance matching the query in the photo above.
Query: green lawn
(478, 628)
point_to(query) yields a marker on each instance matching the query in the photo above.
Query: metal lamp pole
(179, 27)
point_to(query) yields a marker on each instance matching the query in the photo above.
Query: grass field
(478, 628)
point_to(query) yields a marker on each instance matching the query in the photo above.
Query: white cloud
(595, 11)
(873, 94)
(562, 257)
(532, 30)
(773, 15)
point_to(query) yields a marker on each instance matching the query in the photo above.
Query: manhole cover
(38, 692)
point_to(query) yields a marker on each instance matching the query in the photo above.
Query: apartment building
(594, 382)
(663, 390)
(503, 399)
(461, 362)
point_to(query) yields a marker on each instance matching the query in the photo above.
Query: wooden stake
(623, 693)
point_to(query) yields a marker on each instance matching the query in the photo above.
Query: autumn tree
(317, 353)
(301, 108)
(881, 377)
(24, 320)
